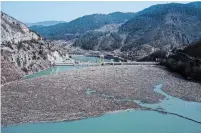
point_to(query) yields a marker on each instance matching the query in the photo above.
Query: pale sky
(37, 11)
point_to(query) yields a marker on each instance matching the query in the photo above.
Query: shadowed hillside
(159, 27)
(187, 62)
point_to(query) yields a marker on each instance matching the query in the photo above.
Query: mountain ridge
(81, 25)
(44, 23)
(159, 27)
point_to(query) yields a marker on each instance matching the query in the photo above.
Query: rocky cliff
(22, 50)
(14, 31)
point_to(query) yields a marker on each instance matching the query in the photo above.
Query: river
(57, 69)
(182, 117)
(129, 121)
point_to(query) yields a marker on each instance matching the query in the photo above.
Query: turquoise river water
(130, 121)
(57, 69)
(127, 121)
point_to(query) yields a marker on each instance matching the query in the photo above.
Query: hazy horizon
(37, 11)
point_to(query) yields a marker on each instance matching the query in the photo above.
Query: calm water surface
(128, 121)
(57, 69)
(191, 110)
(175, 105)
(52, 70)
(133, 121)
(87, 58)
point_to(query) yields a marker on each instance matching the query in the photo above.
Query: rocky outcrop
(28, 57)
(23, 51)
(15, 31)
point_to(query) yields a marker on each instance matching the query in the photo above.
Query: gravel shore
(62, 96)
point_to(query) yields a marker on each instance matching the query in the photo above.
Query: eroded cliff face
(14, 31)
(23, 51)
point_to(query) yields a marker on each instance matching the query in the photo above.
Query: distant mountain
(159, 27)
(196, 4)
(105, 38)
(44, 23)
(163, 26)
(80, 25)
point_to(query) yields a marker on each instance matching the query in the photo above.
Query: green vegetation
(163, 25)
(187, 62)
(194, 49)
(88, 40)
(81, 25)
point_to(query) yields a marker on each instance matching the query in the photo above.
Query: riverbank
(63, 96)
